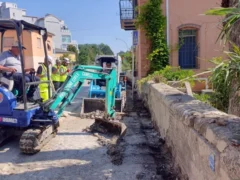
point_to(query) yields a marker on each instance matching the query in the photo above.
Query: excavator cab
(18, 117)
(97, 89)
(20, 29)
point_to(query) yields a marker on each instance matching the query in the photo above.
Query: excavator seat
(6, 82)
(9, 84)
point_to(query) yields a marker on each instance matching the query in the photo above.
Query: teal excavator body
(43, 122)
(75, 81)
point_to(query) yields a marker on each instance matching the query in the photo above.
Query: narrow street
(77, 154)
(159, 95)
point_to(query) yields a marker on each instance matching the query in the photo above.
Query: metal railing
(127, 9)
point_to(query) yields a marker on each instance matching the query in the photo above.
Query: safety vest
(63, 77)
(44, 86)
(43, 77)
(56, 77)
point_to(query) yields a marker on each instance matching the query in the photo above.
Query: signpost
(135, 38)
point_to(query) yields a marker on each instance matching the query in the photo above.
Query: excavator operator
(10, 64)
(108, 65)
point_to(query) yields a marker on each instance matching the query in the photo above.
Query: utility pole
(135, 43)
(133, 80)
(132, 50)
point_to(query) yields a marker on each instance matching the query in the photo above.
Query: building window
(64, 46)
(39, 43)
(188, 51)
(66, 39)
(49, 47)
(13, 14)
(8, 42)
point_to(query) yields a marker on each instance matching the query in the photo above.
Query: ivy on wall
(152, 20)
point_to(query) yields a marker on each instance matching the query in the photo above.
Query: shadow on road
(62, 164)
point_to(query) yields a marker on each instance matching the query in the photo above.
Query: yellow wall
(72, 56)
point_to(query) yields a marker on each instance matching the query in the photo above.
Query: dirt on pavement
(81, 155)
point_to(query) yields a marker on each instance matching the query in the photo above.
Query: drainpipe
(168, 31)
(167, 16)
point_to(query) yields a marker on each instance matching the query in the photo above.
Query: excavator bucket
(109, 126)
(94, 108)
(96, 105)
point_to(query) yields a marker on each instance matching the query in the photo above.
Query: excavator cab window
(19, 27)
(107, 63)
(101, 82)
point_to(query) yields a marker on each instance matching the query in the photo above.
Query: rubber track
(29, 140)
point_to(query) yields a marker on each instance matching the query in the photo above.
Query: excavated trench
(141, 144)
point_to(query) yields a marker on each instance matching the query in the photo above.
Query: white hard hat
(50, 59)
(66, 60)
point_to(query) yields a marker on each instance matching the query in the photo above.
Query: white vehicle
(116, 61)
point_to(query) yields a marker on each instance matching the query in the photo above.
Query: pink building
(185, 23)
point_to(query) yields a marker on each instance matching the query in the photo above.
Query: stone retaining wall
(203, 140)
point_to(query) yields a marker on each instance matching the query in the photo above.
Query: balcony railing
(128, 14)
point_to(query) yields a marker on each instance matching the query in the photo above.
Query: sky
(90, 21)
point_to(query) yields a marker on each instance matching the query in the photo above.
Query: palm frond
(220, 11)
(232, 17)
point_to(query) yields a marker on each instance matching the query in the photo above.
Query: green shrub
(203, 97)
(169, 74)
(152, 20)
(176, 73)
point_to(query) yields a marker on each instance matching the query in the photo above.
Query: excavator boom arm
(74, 83)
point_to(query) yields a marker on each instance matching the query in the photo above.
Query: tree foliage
(126, 60)
(152, 20)
(73, 49)
(105, 49)
(88, 52)
(223, 76)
